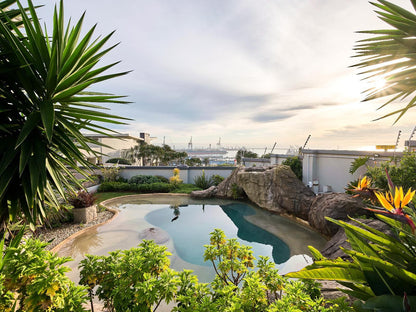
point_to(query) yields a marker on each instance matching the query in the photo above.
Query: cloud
(248, 71)
(271, 117)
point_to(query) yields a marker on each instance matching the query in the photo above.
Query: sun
(378, 82)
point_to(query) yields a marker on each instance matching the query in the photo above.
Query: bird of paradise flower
(394, 205)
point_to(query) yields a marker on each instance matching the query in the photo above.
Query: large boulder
(225, 188)
(337, 206)
(276, 189)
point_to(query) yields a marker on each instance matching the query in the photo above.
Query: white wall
(255, 162)
(328, 170)
(187, 174)
(277, 159)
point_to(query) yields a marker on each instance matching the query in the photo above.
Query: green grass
(186, 188)
(102, 196)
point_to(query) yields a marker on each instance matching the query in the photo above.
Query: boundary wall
(328, 170)
(187, 174)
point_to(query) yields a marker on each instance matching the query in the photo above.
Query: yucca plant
(390, 55)
(44, 107)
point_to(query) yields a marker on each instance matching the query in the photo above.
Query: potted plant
(85, 209)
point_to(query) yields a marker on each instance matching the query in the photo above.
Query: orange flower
(398, 202)
(363, 184)
(395, 204)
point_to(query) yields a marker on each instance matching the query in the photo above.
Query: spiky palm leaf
(391, 54)
(44, 106)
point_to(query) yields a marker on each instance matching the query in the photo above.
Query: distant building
(411, 145)
(114, 145)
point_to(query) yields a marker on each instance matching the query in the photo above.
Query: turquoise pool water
(190, 227)
(184, 225)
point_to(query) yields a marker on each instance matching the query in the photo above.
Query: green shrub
(158, 187)
(117, 187)
(295, 164)
(110, 174)
(144, 179)
(237, 191)
(216, 179)
(34, 279)
(120, 161)
(402, 173)
(202, 181)
(140, 279)
(162, 179)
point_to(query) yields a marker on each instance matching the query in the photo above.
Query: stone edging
(61, 244)
(113, 210)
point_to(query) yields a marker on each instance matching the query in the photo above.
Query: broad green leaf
(331, 273)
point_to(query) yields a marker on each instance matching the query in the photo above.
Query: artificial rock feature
(208, 193)
(338, 206)
(277, 189)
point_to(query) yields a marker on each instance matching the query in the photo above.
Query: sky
(251, 72)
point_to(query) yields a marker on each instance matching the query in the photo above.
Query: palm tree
(390, 54)
(44, 107)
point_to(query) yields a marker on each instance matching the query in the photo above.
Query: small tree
(295, 164)
(243, 153)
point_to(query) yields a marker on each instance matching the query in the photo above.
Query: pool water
(190, 227)
(186, 224)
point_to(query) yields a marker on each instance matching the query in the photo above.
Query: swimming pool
(183, 225)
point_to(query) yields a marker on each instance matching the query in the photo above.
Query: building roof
(116, 135)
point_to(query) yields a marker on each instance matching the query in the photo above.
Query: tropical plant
(111, 174)
(33, 279)
(175, 179)
(144, 179)
(216, 179)
(138, 278)
(152, 155)
(241, 153)
(401, 173)
(193, 161)
(82, 199)
(382, 267)
(202, 181)
(119, 161)
(237, 191)
(43, 109)
(295, 164)
(388, 55)
(358, 163)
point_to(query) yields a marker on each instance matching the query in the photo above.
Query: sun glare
(379, 83)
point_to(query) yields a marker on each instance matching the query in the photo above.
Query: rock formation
(208, 193)
(337, 206)
(278, 189)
